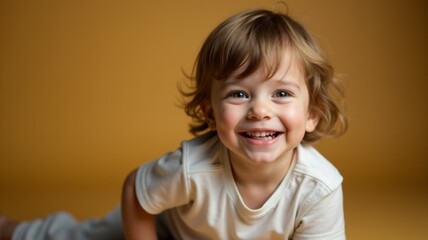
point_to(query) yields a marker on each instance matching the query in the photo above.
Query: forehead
(285, 67)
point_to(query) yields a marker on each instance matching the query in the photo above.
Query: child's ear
(312, 121)
(209, 115)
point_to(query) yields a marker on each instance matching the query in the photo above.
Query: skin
(138, 224)
(6, 228)
(261, 121)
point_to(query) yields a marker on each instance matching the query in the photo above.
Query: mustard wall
(88, 92)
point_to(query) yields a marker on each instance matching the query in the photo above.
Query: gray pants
(62, 226)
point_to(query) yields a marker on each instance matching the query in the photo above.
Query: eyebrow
(283, 82)
(279, 82)
(227, 82)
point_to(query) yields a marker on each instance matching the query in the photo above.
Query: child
(262, 95)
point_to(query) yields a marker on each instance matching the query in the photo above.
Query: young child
(263, 93)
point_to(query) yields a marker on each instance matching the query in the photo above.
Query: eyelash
(284, 93)
(234, 94)
(276, 94)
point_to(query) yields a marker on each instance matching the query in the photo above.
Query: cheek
(294, 118)
(227, 118)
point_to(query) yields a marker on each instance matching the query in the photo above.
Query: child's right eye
(238, 94)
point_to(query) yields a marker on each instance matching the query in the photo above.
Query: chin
(262, 159)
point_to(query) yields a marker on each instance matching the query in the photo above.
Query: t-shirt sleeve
(324, 219)
(162, 184)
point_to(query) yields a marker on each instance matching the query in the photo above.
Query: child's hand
(6, 228)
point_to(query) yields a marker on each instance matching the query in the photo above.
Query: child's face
(262, 120)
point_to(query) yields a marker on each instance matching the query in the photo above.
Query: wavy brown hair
(257, 39)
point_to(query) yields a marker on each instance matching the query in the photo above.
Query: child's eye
(281, 94)
(238, 94)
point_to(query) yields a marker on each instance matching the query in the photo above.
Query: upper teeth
(260, 134)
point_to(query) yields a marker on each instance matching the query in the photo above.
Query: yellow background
(88, 92)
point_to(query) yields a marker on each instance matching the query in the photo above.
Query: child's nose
(259, 110)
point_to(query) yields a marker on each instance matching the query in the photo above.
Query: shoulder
(316, 181)
(202, 153)
(315, 167)
(166, 182)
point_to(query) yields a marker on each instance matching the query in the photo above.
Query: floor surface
(377, 213)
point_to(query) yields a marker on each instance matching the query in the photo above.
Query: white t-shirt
(194, 192)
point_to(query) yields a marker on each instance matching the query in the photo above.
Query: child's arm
(138, 224)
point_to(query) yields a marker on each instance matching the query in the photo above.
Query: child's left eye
(281, 94)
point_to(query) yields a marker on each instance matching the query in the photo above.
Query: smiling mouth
(265, 136)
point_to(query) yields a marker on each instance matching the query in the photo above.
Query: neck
(247, 172)
(257, 182)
